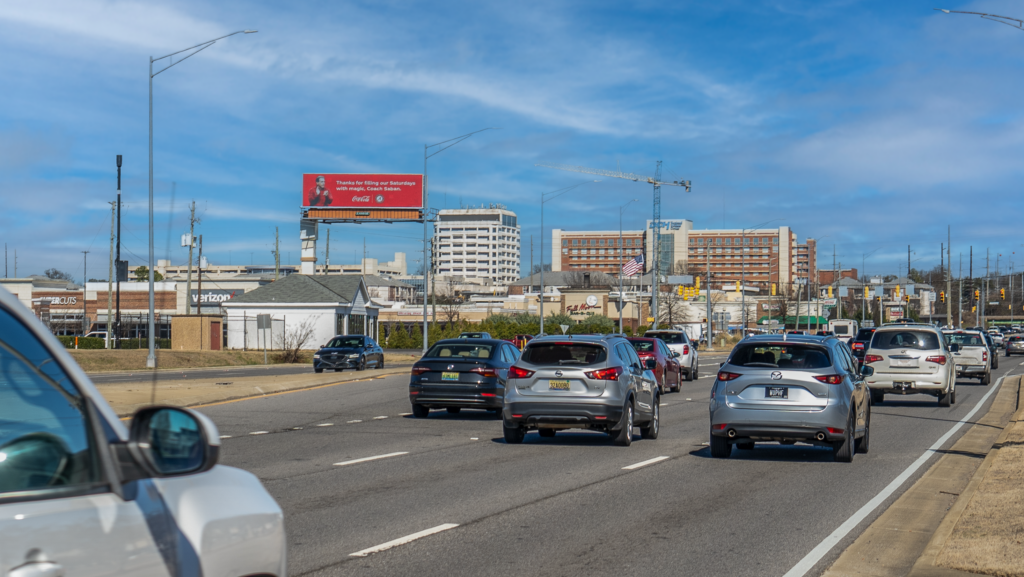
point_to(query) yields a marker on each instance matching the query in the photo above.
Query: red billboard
(365, 191)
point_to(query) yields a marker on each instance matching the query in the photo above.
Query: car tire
(952, 397)
(318, 371)
(546, 433)
(861, 444)
(362, 364)
(877, 397)
(663, 387)
(650, 430)
(513, 435)
(995, 361)
(689, 373)
(624, 436)
(745, 446)
(380, 363)
(944, 399)
(986, 379)
(453, 410)
(720, 447)
(420, 411)
(1007, 353)
(842, 451)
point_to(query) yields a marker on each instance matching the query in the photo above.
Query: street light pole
(743, 274)
(544, 198)
(427, 262)
(151, 359)
(621, 302)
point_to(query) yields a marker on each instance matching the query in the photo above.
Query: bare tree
(450, 302)
(296, 339)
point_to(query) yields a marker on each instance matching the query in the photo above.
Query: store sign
(667, 224)
(581, 309)
(63, 301)
(214, 297)
(362, 191)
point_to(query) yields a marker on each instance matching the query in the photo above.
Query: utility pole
(117, 257)
(970, 277)
(5, 260)
(85, 301)
(199, 278)
(192, 220)
(835, 288)
(433, 282)
(531, 258)
(707, 296)
(949, 273)
(277, 255)
(984, 285)
(110, 275)
(327, 256)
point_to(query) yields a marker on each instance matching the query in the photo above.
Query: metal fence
(255, 338)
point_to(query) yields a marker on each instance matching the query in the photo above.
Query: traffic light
(974, 309)
(867, 294)
(696, 283)
(1002, 294)
(680, 290)
(879, 299)
(829, 292)
(737, 286)
(896, 292)
(773, 289)
(942, 296)
(906, 298)
(977, 295)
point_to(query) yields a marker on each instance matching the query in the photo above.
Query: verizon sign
(363, 191)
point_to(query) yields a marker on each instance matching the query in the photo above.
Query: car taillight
(941, 359)
(984, 355)
(518, 373)
(611, 374)
(645, 354)
(419, 370)
(686, 349)
(485, 372)
(858, 345)
(872, 358)
(719, 427)
(830, 379)
(727, 376)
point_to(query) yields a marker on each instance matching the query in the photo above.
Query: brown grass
(989, 537)
(97, 361)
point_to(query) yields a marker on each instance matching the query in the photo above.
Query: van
(843, 329)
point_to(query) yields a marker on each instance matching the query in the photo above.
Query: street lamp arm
(204, 47)
(993, 17)
(545, 197)
(456, 140)
(201, 46)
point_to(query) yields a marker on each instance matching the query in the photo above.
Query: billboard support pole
(426, 252)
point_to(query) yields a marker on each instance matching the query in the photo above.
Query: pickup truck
(997, 337)
(972, 354)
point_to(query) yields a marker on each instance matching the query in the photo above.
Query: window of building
(600, 242)
(728, 242)
(575, 242)
(700, 242)
(746, 241)
(565, 243)
(718, 241)
(775, 240)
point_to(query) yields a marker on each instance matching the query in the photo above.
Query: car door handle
(38, 569)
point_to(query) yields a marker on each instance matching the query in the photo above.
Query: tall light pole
(863, 270)
(427, 263)
(621, 302)
(1012, 22)
(743, 273)
(544, 198)
(151, 359)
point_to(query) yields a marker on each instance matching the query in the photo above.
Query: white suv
(679, 342)
(910, 359)
(81, 494)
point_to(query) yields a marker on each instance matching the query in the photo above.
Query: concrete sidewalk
(908, 537)
(126, 398)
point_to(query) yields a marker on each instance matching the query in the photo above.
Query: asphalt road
(561, 506)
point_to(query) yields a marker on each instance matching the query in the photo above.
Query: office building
(478, 243)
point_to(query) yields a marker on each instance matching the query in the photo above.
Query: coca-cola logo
(360, 199)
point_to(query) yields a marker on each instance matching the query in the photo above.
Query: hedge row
(100, 343)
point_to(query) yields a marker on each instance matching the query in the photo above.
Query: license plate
(903, 384)
(776, 392)
(905, 363)
(449, 376)
(558, 385)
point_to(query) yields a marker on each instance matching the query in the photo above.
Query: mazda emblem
(776, 375)
(558, 373)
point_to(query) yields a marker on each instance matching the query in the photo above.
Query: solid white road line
(365, 459)
(644, 463)
(403, 540)
(258, 433)
(808, 562)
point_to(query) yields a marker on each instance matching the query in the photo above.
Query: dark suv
(859, 344)
(581, 382)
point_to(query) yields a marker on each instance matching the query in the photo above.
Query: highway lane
(562, 506)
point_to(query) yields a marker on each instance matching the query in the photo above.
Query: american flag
(635, 265)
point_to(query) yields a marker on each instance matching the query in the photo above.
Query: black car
(461, 373)
(993, 350)
(349, 352)
(859, 344)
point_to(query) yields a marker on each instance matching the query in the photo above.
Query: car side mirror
(651, 364)
(677, 354)
(954, 348)
(636, 368)
(171, 441)
(866, 371)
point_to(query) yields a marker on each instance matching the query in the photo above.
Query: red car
(667, 371)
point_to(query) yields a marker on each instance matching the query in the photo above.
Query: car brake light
(727, 376)
(835, 431)
(518, 373)
(487, 395)
(937, 359)
(830, 379)
(485, 371)
(858, 345)
(984, 355)
(719, 427)
(872, 358)
(419, 370)
(686, 349)
(611, 374)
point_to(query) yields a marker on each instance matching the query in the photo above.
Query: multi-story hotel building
(597, 250)
(478, 242)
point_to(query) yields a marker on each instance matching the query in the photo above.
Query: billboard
(362, 191)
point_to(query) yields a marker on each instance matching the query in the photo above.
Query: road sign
(564, 328)
(650, 319)
(829, 302)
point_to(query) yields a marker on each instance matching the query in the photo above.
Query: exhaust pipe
(732, 433)
(820, 436)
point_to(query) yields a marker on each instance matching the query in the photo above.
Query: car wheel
(624, 436)
(380, 363)
(1007, 353)
(650, 430)
(663, 386)
(695, 369)
(420, 411)
(514, 434)
(745, 446)
(952, 397)
(362, 364)
(679, 382)
(877, 397)
(861, 444)
(944, 400)
(318, 370)
(986, 379)
(995, 361)
(453, 410)
(689, 373)
(546, 433)
(720, 447)
(842, 451)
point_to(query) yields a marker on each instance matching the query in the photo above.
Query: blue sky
(876, 123)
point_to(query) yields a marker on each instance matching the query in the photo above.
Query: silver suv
(787, 389)
(679, 342)
(581, 382)
(910, 359)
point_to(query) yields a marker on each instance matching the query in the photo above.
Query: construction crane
(657, 183)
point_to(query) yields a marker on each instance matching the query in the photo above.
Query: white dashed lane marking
(645, 463)
(326, 425)
(403, 540)
(356, 421)
(374, 458)
(259, 433)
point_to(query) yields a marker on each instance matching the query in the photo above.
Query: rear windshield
(964, 339)
(670, 338)
(865, 334)
(920, 340)
(471, 336)
(466, 351)
(782, 356)
(564, 354)
(345, 342)
(643, 346)
(1016, 339)
(841, 329)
